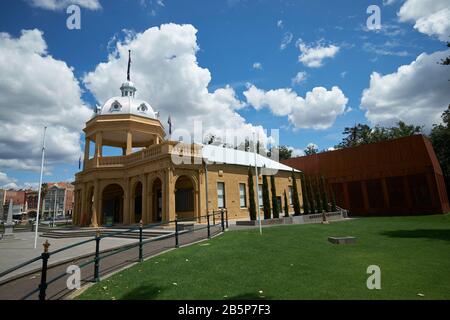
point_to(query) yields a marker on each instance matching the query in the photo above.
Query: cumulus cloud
(313, 56)
(287, 39)
(56, 5)
(5, 181)
(416, 93)
(166, 73)
(257, 66)
(299, 78)
(37, 90)
(431, 17)
(318, 110)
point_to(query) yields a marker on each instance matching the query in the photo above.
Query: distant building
(18, 198)
(58, 200)
(395, 177)
(31, 198)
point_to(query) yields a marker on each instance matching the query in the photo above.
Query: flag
(169, 121)
(79, 163)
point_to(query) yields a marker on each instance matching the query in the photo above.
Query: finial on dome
(129, 65)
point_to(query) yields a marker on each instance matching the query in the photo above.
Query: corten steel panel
(407, 167)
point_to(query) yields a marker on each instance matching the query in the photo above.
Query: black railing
(45, 256)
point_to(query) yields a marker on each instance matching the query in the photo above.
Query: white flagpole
(40, 188)
(257, 183)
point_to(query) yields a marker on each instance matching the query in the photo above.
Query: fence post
(222, 220)
(97, 256)
(209, 230)
(140, 242)
(177, 244)
(214, 218)
(43, 286)
(226, 219)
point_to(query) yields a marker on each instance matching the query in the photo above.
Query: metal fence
(185, 231)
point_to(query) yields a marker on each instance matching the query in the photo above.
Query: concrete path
(22, 287)
(15, 251)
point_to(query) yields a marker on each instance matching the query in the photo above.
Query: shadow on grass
(436, 234)
(143, 293)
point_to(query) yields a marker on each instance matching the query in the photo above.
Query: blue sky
(232, 36)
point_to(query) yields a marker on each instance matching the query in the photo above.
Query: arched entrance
(157, 200)
(137, 202)
(112, 205)
(184, 197)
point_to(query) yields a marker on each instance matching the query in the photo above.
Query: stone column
(99, 145)
(126, 203)
(86, 152)
(149, 199)
(83, 205)
(95, 207)
(144, 199)
(129, 149)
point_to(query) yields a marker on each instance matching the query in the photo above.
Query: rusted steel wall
(395, 177)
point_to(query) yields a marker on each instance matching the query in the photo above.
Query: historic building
(395, 177)
(58, 200)
(155, 179)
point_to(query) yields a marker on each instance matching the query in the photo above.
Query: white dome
(127, 105)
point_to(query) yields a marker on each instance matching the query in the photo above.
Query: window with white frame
(220, 195)
(242, 195)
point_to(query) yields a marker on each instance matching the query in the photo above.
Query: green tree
(310, 195)
(333, 202)
(311, 149)
(440, 138)
(275, 209)
(286, 205)
(295, 200)
(316, 188)
(304, 194)
(266, 198)
(323, 192)
(284, 153)
(251, 194)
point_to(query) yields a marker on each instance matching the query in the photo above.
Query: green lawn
(297, 262)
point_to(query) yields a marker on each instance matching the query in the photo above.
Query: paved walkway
(22, 287)
(15, 251)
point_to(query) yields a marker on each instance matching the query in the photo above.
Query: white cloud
(388, 2)
(37, 90)
(318, 110)
(385, 49)
(299, 78)
(416, 93)
(313, 56)
(166, 73)
(431, 17)
(287, 39)
(55, 5)
(5, 181)
(257, 65)
(296, 152)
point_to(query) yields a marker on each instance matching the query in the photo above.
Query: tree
(440, 137)
(310, 195)
(311, 149)
(304, 194)
(333, 202)
(446, 61)
(319, 207)
(251, 194)
(284, 153)
(266, 198)
(323, 192)
(286, 205)
(363, 134)
(295, 200)
(275, 208)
